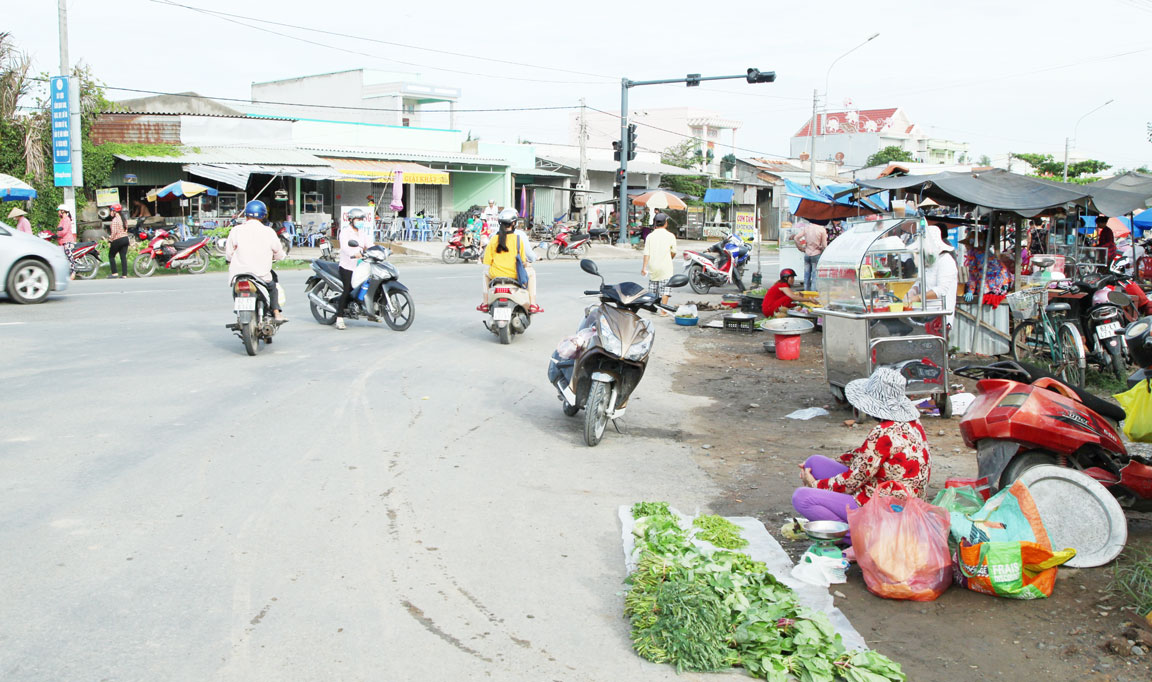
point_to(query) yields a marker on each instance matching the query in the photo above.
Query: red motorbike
(461, 247)
(1022, 418)
(567, 244)
(164, 251)
(84, 255)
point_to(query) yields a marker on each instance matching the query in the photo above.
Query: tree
(683, 155)
(889, 154)
(680, 155)
(984, 160)
(1046, 165)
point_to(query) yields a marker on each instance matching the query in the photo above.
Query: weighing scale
(825, 536)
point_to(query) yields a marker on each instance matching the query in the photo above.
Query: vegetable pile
(708, 610)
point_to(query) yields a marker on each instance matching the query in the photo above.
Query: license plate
(244, 303)
(1107, 331)
(502, 314)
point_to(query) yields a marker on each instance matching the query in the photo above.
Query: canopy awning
(995, 189)
(237, 174)
(15, 189)
(369, 170)
(718, 196)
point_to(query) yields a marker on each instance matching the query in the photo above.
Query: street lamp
(626, 148)
(1074, 129)
(812, 125)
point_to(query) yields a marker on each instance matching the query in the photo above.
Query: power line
(230, 18)
(689, 137)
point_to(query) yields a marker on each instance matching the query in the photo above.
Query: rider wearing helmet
(251, 248)
(500, 257)
(352, 230)
(117, 242)
(781, 294)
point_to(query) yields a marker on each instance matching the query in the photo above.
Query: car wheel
(29, 281)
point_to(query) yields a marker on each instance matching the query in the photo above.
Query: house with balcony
(849, 137)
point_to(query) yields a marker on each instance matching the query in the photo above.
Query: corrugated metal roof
(604, 165)
(407, 155)
(381, 170)
(136, 129)
(198, 115)
(275, 156)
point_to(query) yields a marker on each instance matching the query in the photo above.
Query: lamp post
(1074, 129)
(812, 125)
(626, 146)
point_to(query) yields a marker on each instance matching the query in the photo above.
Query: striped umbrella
(14, 189)
(181, 188)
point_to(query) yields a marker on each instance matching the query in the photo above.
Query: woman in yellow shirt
(500, 257)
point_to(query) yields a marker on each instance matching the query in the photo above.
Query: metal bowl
(787, 326)
(825, 530)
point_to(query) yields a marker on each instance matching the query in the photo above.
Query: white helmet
(1121, 266)
(508, 216)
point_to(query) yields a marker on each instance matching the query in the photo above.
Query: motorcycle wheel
(144, 265)
(584, 248)
(596, 413)
(322, 316)
(1022, 462)
(696, 280)
(1119, 367)
(248, 330)
(552, 252)
(738, 278)
(504, 334)
(405, 311)
(91, 265)
(198, 263)
(450, 255)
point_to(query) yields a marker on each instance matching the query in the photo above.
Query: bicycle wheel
(1072, 363)
(1029, 345)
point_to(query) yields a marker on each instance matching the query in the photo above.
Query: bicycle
(1045, 337)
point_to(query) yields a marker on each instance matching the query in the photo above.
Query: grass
(1104, 382)
(1132, 578)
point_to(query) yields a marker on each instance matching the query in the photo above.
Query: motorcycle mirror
(677, 280)
(353, 243)
(1119, 298)
(588, 265)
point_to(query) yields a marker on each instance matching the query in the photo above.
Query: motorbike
(508, 309)
(566, 243)
(377, 293)
(601, 235)
(604, 371)
(722, 263)
(1023, 418)
(1107, 310)
(461, 247)
(255, 323)
(164, 251)
(84, 254)
(282, 233)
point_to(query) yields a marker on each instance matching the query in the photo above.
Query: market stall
(862, 279)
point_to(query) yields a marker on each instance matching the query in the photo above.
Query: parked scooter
(1022, 418)
(722, 263)
(1103, 316)
(509, 310)
(255, 322)
(462, 246)
(603, 372)
(377, 293)
(84, 254)
(566, 243)
(163, 251)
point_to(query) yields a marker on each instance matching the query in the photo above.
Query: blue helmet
(256, 209)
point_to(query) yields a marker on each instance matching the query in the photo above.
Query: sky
(1003, 76)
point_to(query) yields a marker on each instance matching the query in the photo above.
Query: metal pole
(983, 276)
(622, 209)
(812, 144)
(62, 12)
(1065, 159)
(582, 181)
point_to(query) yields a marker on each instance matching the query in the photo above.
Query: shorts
(659, 287)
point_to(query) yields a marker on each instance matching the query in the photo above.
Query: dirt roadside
(750, 449)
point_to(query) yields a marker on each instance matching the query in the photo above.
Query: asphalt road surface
(356, 505)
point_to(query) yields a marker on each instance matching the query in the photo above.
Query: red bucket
(787, 347)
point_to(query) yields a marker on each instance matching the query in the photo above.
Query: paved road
(357, 505)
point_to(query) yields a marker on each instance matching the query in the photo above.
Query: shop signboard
(107, 196)
(61, 132)
(695, 227)
(746, 225)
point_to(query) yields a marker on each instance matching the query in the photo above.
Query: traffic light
(619, 176)
(615, 150)
(631, 141)
(754, 76)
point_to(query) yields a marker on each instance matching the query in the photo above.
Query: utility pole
(74, 120)
(812, 144)
(582, 181)
(1066, 159)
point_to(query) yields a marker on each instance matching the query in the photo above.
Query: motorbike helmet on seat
(1139, 342)
(256, 209)
(508, 216)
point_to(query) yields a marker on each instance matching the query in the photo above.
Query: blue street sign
(61, 132)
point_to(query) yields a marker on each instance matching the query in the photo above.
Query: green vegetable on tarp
(642, 509)
(719, 531)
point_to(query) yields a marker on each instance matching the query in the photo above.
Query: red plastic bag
(902, 547)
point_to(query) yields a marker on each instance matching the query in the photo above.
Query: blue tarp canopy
(823, 204)
(1142, 221)
(14, 189)
(718, 196)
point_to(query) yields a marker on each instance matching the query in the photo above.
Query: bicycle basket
(1025, 304)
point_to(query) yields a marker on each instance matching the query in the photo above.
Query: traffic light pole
(692, 79)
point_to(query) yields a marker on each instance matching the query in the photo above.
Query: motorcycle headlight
(609, 340)
(641, 348)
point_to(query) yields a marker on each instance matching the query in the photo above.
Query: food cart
(863, 278)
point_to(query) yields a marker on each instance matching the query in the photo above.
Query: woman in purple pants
(895, 451)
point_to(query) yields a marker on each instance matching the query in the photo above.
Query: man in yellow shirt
(659, 249)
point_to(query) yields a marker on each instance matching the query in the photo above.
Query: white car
(30, 267)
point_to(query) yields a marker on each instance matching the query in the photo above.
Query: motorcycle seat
(597, 231)
(331, 267)
(1057, 308)
(504, 282)
(184, 244)
(82, 245)
(1098, 405)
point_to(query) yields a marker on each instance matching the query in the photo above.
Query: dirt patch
(751, 451)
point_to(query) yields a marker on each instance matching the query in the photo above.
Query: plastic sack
(1003, 548)
(687, 311)
(902, 547)
(1137, 404)
(820, 570)
(963, 499)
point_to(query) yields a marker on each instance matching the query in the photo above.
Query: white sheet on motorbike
(761, 547)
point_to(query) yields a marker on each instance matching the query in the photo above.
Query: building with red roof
(849, 137)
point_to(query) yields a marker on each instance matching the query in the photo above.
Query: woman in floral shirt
(895, 451)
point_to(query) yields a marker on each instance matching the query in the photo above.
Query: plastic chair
(424, 229)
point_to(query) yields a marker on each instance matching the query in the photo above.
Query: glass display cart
(863, 279)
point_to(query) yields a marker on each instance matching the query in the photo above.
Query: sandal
(534, 309)
(483, 307)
